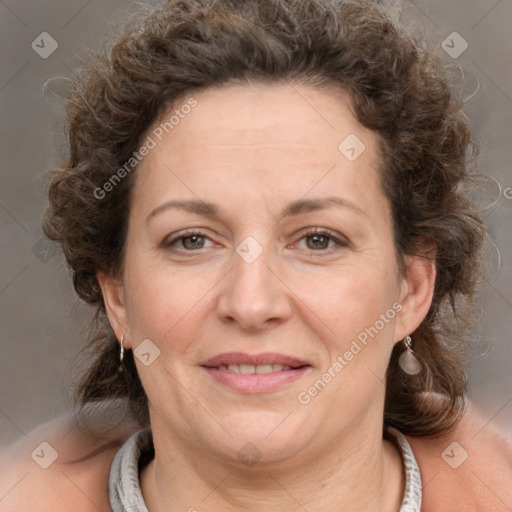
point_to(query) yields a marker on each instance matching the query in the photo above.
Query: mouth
(262, 373)
(251, 369)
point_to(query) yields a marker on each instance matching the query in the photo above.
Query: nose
(253, 295)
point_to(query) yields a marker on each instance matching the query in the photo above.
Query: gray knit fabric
(123, 483)
(413, 486)
(125, 494)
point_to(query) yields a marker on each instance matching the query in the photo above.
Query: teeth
(249, 369)
(265, 368)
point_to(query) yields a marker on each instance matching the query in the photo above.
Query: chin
(263, 437)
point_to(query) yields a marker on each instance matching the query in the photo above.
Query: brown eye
(188, 241)
(322, 242)
(193, 242)
(318, 242)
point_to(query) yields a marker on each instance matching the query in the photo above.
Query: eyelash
(187, 234)
(340, 244)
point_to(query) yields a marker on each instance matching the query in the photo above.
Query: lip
(255, 359)
(255, 383)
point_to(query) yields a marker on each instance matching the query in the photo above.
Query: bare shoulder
(469, 469)
(64, 463)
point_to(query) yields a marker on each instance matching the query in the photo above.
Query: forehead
(265, 113)
(263, 138)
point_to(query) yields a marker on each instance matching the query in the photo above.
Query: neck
(354, 473)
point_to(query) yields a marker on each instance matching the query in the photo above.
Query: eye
(322, 240)
(190, 240)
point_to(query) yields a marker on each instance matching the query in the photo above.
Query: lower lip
(257, 383)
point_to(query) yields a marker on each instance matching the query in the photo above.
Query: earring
(407, 360)
(121, 355)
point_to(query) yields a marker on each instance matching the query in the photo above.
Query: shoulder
(62, 463)
(468, 469)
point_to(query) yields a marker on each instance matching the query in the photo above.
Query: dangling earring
(121, 355)
(407, 360)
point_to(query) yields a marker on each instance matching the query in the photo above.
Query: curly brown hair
(400, 89)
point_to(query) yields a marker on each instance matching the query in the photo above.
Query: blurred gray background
(42, 325)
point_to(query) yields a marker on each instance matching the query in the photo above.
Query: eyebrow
(298, 207)
(310, 205)
(191, 206)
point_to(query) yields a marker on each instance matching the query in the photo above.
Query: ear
(113, 297)
(417, 291)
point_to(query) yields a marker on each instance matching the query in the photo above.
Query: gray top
(125, 494)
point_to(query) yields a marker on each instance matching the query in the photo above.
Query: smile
(260, 373)
(249, 369)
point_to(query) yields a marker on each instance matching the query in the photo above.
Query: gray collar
(126, 496)
(123, 483)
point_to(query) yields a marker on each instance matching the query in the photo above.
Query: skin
(325, 461)
(77, 479)
(271, 143)
(482, 482)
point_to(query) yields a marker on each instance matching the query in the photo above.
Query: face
(260, 265)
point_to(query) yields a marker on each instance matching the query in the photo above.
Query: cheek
(162, 305)
(350, 301)
(334, 304)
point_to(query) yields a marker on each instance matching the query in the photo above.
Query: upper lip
(254, 359)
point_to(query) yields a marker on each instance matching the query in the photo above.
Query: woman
(267, 200)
